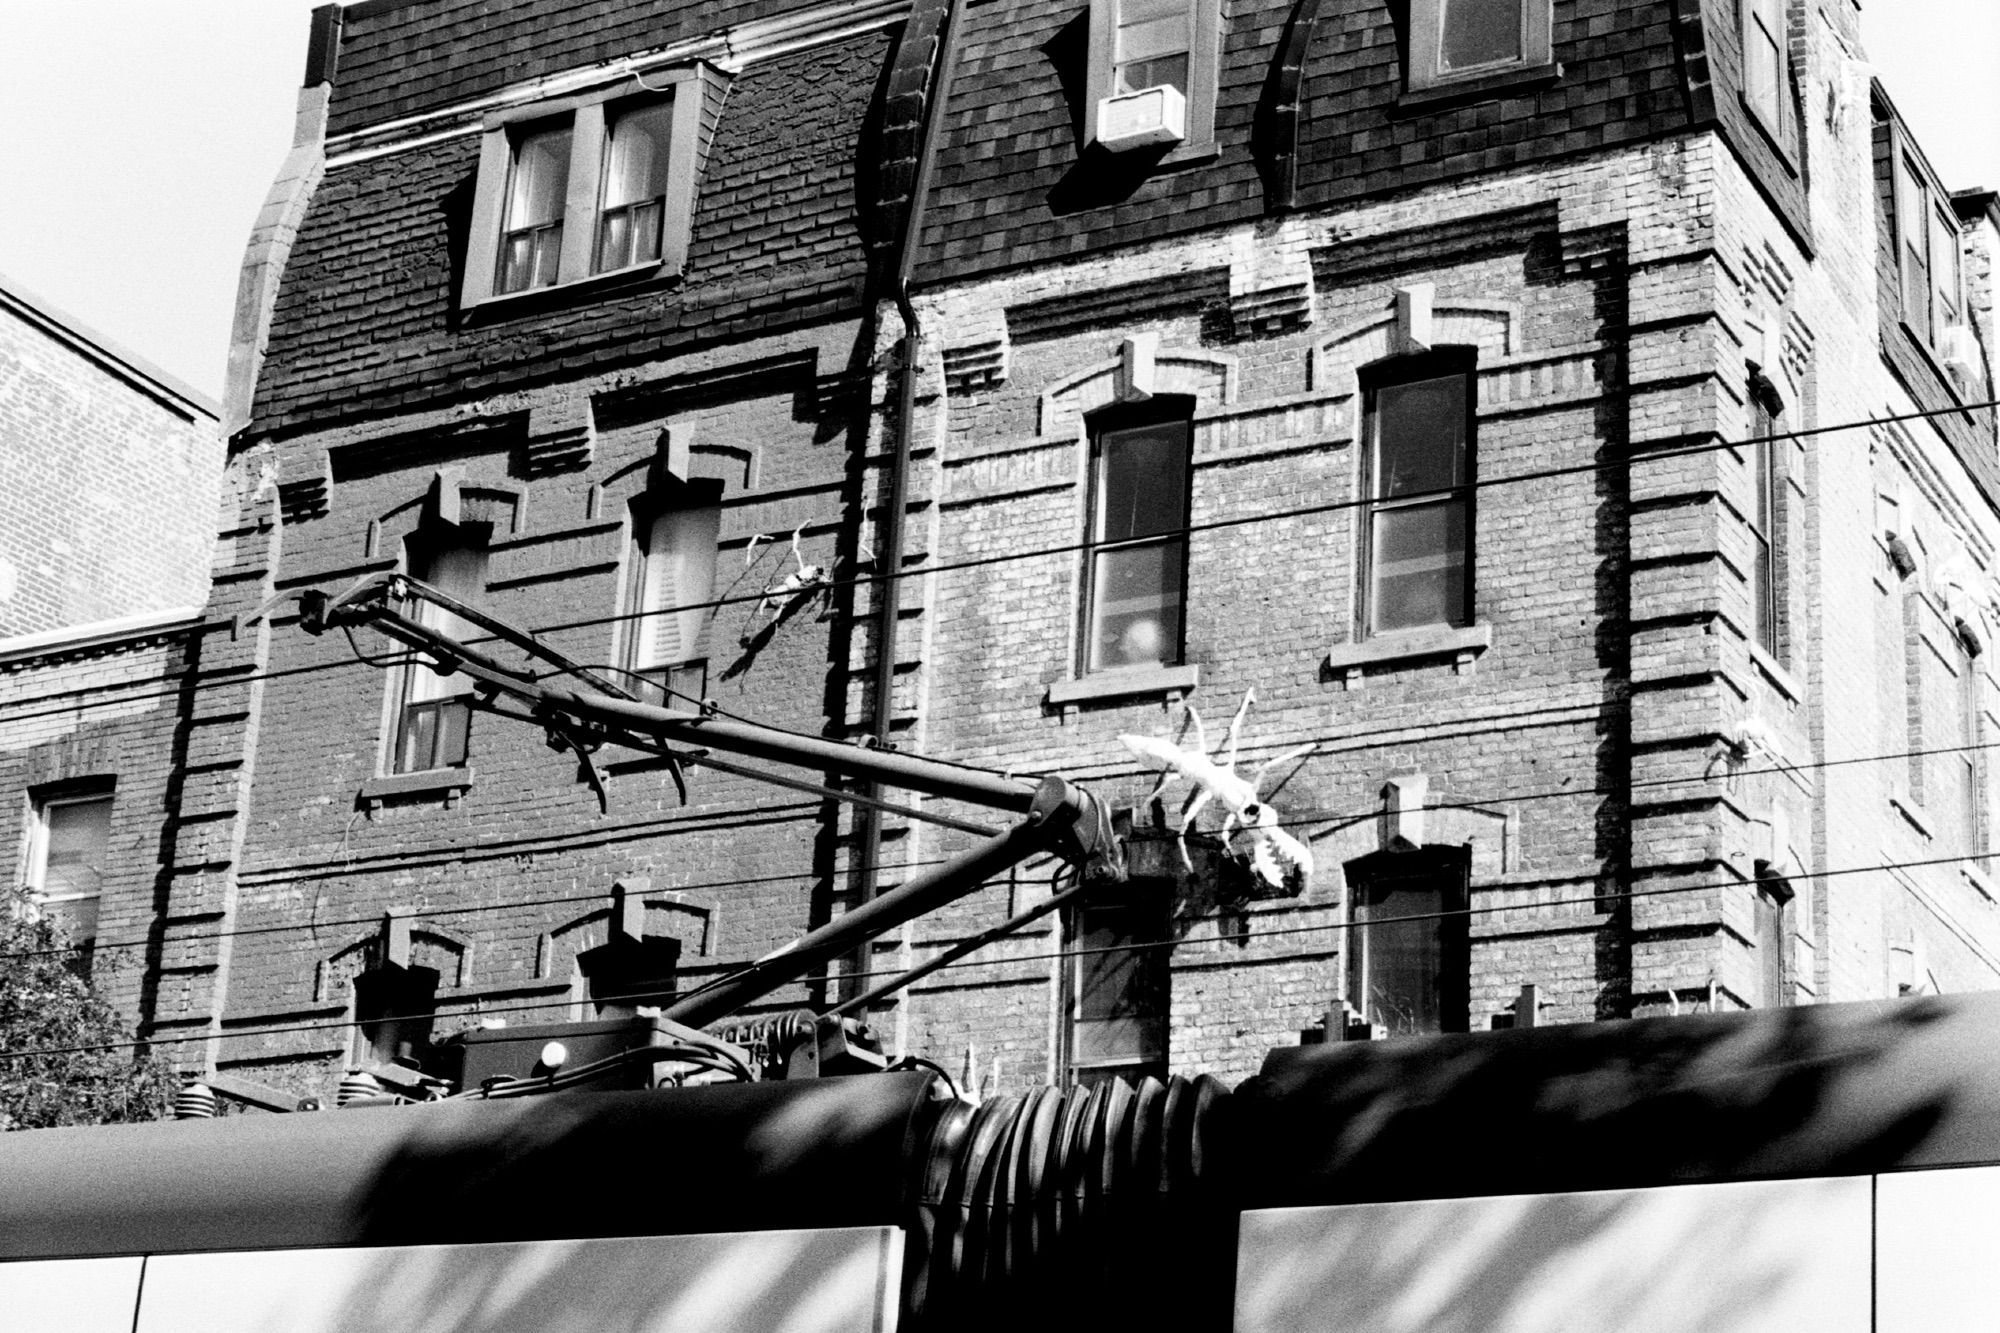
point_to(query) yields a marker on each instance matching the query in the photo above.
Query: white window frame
(34, 894)
(588, 115)
(1926, 321)
(1173, 409)
(690, 498)
(1437, 364)
(416, 676)
(1204, 59)
(1425, 68)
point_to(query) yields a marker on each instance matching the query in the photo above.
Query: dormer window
(537, 184)
(635, 185)
(1153, 42)
(1461, 41)
(596, 185)
(1152, 76)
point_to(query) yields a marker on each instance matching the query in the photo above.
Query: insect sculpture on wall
(786, 596)
(1277, 858)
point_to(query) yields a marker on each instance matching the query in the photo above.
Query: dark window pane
(1771, 946)
(1142, 481)
(1394, 965)
(1417, 566)
(1420, 436)
(1135, 605)
(614, 240)
(1121, 997)
(1479, 32)
(1159, 71)
(419, 739)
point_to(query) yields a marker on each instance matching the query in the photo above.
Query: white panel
(833, 1281)
(1937, 1250)
(1764, 1257)
(70, 1295)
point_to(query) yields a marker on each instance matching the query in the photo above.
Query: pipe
(958, 951)
(888, 607)
(881, 767)
(914, 897)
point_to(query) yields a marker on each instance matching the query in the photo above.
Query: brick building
(1566, 417)
(108, 476)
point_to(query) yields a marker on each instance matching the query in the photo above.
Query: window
(673, 576)
(1763, 523)
(66, 856)
(394, 1010)
(597, 184)
(1455, 41)
(1417, 568)
(1774, 897)
(1141, 44)
(1118, 985)
(1409, 955)
(1928, 261)
(1764, 60)
(635, 185)
(537, 186)
(434, 716)
(1136, 561)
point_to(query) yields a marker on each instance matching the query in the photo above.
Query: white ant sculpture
(1275, 855)
(804, 582)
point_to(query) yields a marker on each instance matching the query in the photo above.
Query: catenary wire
(1294, 820)
(977, 562)
(1620, 895)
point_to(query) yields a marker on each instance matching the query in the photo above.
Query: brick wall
(106, 473)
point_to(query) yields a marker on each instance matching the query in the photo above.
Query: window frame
(1771, 917)
(1933, 205)
(1149, 904)
(447, 705)
(1204, 63)
(1162, 408)
(1780, 121)
(1423, 67)
(34, 894)
(1763, 519)
(685, 497)
(1371, 380)
(1450, 867)
(589, 114)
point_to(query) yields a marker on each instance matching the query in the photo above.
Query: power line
(1296, 819)
(978, 562)
(1055, 955)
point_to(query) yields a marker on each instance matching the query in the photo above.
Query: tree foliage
(46, 1002)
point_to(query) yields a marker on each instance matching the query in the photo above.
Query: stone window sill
(1500, 83)
(1171, 682)
(1781, 680)
(1460, 643)
(447, 783)
(1913, 814)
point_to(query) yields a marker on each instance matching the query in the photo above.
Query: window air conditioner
(1142, 119)
(1959, 350)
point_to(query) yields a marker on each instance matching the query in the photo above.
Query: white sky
(138, 138)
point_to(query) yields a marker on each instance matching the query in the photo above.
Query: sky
(139, 137)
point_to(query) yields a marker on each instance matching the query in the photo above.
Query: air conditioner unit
(1959, 350)
(1143, 119)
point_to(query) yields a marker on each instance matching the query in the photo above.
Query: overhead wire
(1234, 939)
(1295, 819)
(1631, 459)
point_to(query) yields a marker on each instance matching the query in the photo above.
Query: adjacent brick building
(108, 476)
(1525, 407)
